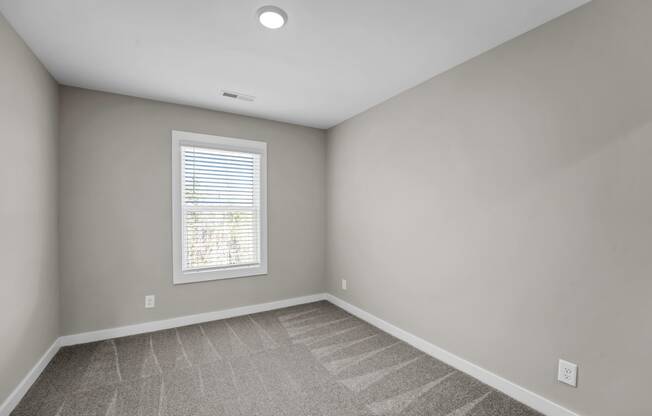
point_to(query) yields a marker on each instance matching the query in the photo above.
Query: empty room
(326, 208)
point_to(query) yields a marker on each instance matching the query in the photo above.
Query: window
(219, 207)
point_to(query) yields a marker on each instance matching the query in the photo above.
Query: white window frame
(184, 138)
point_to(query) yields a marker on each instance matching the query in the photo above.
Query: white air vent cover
(236, 95)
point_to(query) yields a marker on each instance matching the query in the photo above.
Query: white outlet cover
(567, 373)
(150, 301)
(343, 284)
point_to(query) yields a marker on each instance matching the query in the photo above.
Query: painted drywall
(115, 204)
(29, 285)
(503, 210)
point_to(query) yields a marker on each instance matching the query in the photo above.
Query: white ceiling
(332, 60)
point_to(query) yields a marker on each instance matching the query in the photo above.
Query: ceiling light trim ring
(272, 17)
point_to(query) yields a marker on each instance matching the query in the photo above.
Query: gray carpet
(313, 359)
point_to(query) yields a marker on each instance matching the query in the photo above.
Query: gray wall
(503, 210)
(115, 202)
(29, 318)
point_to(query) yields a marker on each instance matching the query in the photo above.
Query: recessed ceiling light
(272, 17)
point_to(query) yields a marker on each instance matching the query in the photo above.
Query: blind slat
(219, 155)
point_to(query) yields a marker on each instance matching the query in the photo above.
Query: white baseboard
(519, 393)
(19, 392)
(145, 327)
(535, 401)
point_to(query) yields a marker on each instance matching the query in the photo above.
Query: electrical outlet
(567, 373)
(343, 284)
(150, 301)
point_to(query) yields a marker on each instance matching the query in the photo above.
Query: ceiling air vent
(236, 95)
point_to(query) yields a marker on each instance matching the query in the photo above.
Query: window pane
(220, 238)
(220, 203)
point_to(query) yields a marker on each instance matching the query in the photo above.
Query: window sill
(181, 278)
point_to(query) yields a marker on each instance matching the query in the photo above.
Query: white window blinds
(220, 208)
